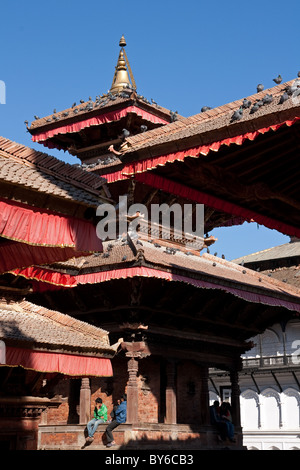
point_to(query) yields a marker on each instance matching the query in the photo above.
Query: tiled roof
(32, 324)
(217, 119)
(285, 251)
(100, 104)
(190, 263)
(44, 173)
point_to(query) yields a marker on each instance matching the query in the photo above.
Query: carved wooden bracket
(137, 349)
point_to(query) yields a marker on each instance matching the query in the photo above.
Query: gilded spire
(121, 78)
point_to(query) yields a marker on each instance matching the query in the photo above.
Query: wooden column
(132, 391)
(85, 401)
(235, 398)
(171, 402)
(204, 396)
(135, 350)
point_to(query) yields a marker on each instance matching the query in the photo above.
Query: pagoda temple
(171, 311)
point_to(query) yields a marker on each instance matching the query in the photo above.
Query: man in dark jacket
(119, 418)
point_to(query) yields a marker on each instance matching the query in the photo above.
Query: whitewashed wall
(270, 419)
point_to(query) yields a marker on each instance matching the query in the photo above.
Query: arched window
(291, 409)
(250, 410)
(271, 410)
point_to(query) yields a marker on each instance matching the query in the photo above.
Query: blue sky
(184, 55)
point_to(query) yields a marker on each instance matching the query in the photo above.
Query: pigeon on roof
(277, 80)
(237, 115)
(283, 98)
(259, 87)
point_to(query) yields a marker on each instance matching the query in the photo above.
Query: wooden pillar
(171, 402)
(204, 396)
(235, 398)
(134, 350)
(132, 391)
(85, 401)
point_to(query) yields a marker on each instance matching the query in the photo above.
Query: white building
(270, 379)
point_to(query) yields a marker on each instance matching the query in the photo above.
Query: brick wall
(149, 382)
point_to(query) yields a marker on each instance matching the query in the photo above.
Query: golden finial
(121, 78)
(122, 42)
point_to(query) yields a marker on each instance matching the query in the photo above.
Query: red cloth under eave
(151, 163)
(36, 236)
(48, 280)
(43, 137)
(27, 224)
(21, 255)
(141, 170)
(67, 364)
(191, 194)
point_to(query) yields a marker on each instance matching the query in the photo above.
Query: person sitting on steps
(119, 417)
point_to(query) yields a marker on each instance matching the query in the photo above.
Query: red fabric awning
(141, 171)
(38, 236)
(195, 195)
(43, 137)
(20, 255)
(147, 164)
(67, 364)
(41, 227)
(48, 280)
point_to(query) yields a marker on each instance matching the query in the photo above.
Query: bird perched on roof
(153, 102)
(278, 79)
(291, 89)
(259, 87)
(36, 117)
(73, 105)
(125, 133)
(254, 108)
(283, 98)
(267, 99)
(298, 74)
(246, 103)
(81, 101)
(237, 115)
(26, 123)
(143, 128)
(173, 116)
(205, 108)
(54, 110)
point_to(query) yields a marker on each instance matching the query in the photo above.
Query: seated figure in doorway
(217, 421)
(226, 417)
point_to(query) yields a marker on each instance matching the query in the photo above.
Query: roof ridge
(50, 165)
(64, 320)
(202, 117)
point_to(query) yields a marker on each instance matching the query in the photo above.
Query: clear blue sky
(183, 54)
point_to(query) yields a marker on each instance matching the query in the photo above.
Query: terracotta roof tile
(30, 323)
(99, 105)
(189, 263)
(27, 167)
(214, 119)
